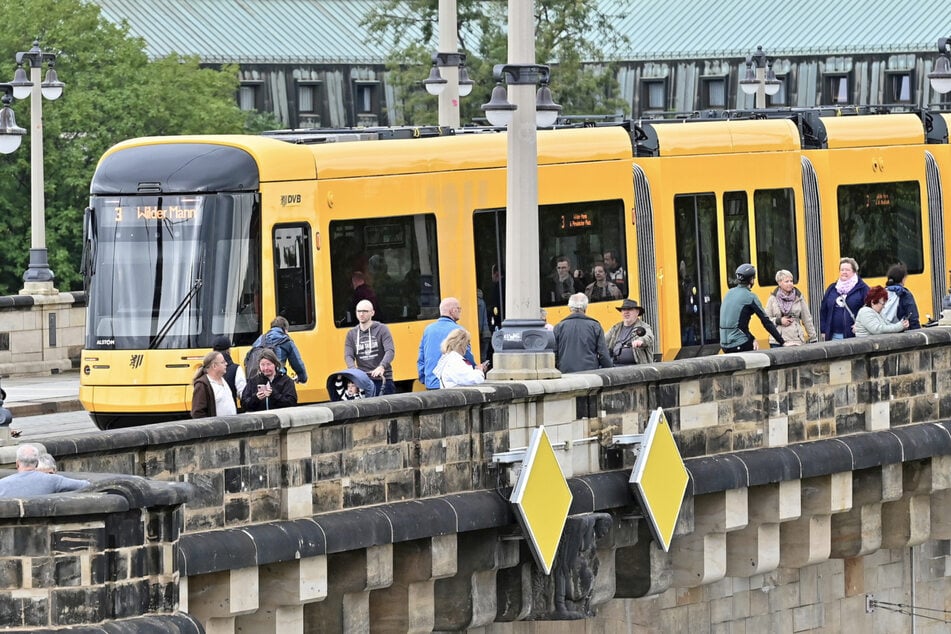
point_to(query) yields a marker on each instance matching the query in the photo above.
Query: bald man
(369, 347)
(450, 310)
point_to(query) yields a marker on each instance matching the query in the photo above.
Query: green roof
(687, 29)
(330, 31)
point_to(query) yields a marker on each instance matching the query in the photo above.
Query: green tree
(570, 35)
(113, 92)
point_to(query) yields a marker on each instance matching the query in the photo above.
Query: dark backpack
(252, 361)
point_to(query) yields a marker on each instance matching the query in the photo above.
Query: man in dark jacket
(580, 340)
(739, 305)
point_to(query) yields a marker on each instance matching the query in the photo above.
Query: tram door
(698, 274)
(489, 231)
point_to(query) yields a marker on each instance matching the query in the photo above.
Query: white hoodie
(453, 371)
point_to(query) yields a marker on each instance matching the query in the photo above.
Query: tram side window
(293, 287)
(581, 232)
(776, 239)
(736, 227)
(391, 261)
(880, 224)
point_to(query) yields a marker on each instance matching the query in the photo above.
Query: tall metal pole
(521, 243)
(449, 43)
(523, 320)
(38, 278)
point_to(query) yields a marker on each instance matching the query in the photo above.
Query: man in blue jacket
(278, 340)
(450, 310)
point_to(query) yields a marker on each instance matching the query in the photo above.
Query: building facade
(312, 64)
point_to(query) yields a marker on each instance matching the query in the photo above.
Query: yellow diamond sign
(541, 498)
(659, 478)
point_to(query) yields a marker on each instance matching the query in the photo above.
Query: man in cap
(739, 305)
(631, 340)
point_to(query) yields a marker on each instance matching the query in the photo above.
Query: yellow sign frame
(659, 478)
(541, 498)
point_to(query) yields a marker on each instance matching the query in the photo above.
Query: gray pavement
(49, 394)
(46, 406)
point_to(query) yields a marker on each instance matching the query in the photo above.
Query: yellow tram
(193, 237)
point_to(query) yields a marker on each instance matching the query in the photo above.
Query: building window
(836, 90)
(898, 87)
(653, 94)
(780, 98)
(308, 104)
(713, 92)
(366, 102)
(307, 95)
(249, 96)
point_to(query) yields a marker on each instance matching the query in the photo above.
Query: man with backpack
(278, 341)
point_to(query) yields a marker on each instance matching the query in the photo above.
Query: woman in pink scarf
(842, 300)
(787, 308)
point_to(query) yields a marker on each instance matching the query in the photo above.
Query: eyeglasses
(362, 311)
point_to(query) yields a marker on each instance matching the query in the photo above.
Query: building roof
(251, 31)
(331, 31)
(685, 29)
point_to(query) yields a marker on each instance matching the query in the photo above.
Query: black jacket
(581, 344)
(283, 393)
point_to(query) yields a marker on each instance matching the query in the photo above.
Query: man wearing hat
(631, 340)
(234, 374)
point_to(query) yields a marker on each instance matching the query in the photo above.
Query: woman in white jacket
(452, 369)
(869, 319)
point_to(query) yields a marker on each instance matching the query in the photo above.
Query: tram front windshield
(172, 272)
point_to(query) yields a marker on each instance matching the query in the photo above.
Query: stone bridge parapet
(389, 514)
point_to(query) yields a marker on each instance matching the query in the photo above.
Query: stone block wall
(108, 553)
(41, 334)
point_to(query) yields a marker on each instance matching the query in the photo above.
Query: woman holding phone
(270, 389)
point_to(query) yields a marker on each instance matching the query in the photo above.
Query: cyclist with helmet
(739, 305)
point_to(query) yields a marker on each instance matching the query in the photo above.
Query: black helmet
(745, 273)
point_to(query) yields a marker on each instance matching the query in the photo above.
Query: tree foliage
(570, 35)
(113, 92)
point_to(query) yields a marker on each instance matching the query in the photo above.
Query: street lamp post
(10, 133)
(448, 78)
(940, 75)
(524, 347)
(762, 81)
(38, 278)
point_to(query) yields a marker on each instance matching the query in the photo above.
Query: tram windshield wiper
(176, 314)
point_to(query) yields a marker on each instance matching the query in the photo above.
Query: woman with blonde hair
(787, 308)
(452, 369)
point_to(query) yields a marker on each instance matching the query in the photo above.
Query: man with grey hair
(46, 463)
(580, 340)
(28, 480)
